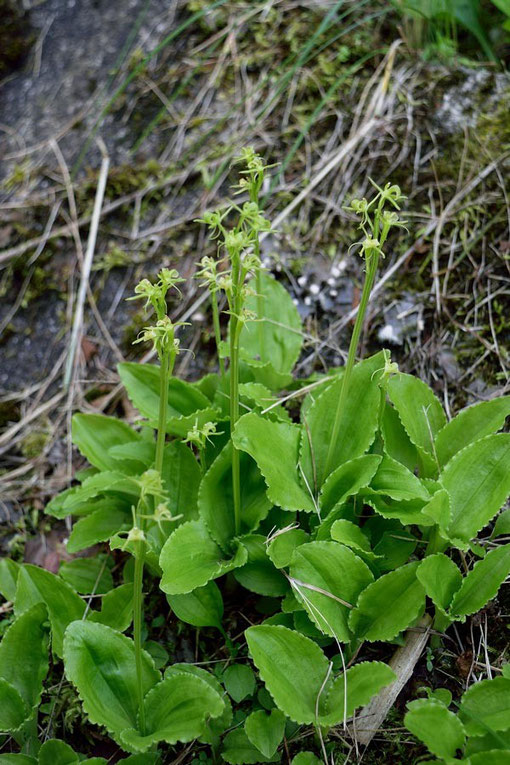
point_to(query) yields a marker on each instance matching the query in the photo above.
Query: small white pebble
(314, 289)
(331, 282)
(307, 300)
(388, 333)
(335, 271)
(301, 281)
(333, 293)
(198, 316)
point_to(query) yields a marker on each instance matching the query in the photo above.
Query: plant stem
(372, 263)
(167, 364)
(234, 416)
(260, 302)
(137, 629)
(254, 197)
(217, 330)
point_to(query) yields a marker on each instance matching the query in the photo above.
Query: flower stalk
(376, 223)
(242, 247)
(166, 345)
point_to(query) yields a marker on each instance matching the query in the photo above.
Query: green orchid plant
(352, 517)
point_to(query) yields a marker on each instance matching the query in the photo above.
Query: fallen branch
(367, 723)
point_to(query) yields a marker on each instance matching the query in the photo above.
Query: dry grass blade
(87, 265)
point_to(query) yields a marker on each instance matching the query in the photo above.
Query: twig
(87, 264)
(403, 662)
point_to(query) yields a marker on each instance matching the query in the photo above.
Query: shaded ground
(276, 76)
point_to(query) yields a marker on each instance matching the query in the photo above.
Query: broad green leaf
(190, 558)
(238, 750)
(17, 759)
(364, 680)
(350, 535)
(264, 374)
(186, 403)
(100, 663)
(442, 695)
(87, 575)
(95, 434)
(358, 421)
(470, 425)
(239, 681)
(142, 452)
(283, 544)
(487, 742)
(495, 757)
(55, 506)
(390, 540)
(13, 710)
(486, 706)
(8, 578)
(175, 710)
(306, 758)
(394, 480)
(215, 497)
(208, 385)
(290, 604)
(440, 578)
(82, 502)
(292, 667)
(214, 726)
(24, 654)
(116, 608)
(482, 583)
(347, 480)
(407, 511)
(327, 578)
(303, 624)
(265, 730)
(439, 729)
(257, 395)
(419, 410)
(35, 585)
(394, 549)
(181, 478)
(275, 448)
(478, 482)
(157, 652)
(258, 574)
(192, 669)
(397, 443)
(389, 605)
(108, 481)
(275, 336)
(502, 525)
(97, 527)
(202, 607)
(56, 752)
(438, 510)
